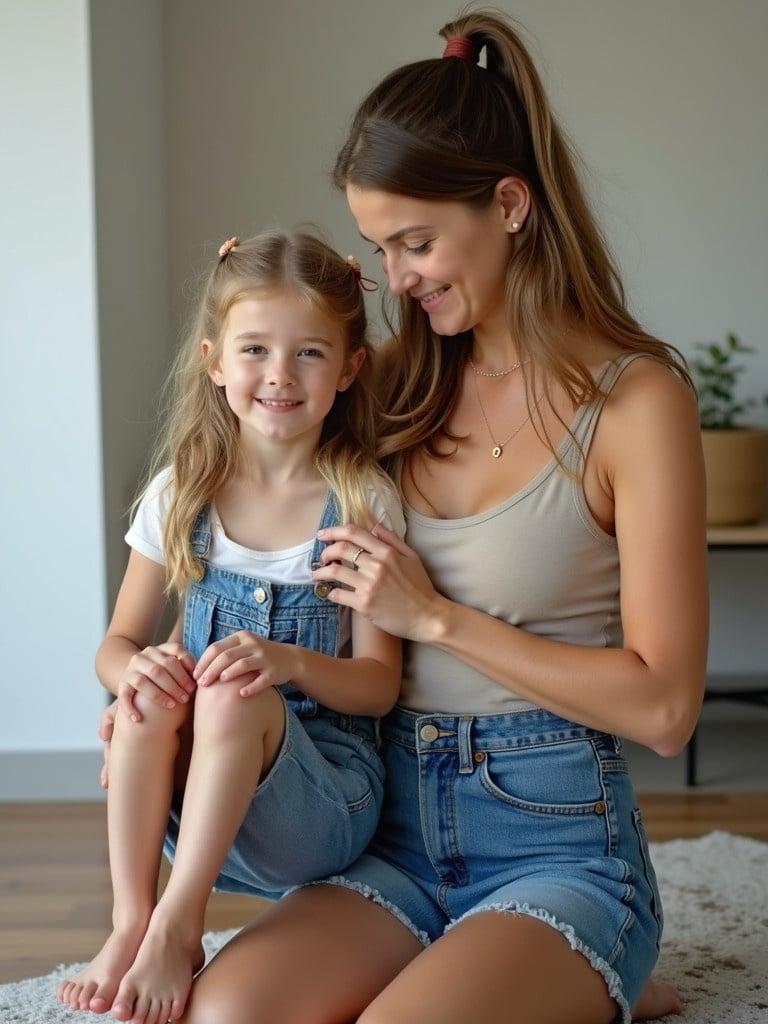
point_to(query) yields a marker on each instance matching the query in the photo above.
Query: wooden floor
(55, 897)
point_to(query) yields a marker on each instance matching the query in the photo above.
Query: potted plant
(736, 457)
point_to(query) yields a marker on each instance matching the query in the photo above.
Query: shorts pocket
(554, 778)
(547, 801)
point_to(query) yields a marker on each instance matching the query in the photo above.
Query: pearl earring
(515, 225)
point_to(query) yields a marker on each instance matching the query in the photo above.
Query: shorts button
(429, 733)
(260, 595)
(479, 757)
(599, 808)
(323, 589)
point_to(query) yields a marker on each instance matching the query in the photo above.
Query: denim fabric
(524, 813)
(321, 799)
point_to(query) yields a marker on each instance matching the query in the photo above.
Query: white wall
(214, 119)
(53, 557)
(86, 329)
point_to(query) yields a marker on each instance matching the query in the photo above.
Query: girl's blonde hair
(450, 129)
(200, 435)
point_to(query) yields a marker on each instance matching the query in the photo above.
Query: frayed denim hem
(611, 978)
(370, 894)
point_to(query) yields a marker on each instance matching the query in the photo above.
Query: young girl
(264, 718)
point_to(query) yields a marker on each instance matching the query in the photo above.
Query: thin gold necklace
(496, 373)
(498, 446)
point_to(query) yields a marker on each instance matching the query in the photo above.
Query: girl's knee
(222, 712)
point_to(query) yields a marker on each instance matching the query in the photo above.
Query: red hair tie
(463, 47)
(365, 282)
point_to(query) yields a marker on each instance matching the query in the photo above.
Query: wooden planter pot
(737, 475)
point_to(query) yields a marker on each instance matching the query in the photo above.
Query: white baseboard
(29, 775)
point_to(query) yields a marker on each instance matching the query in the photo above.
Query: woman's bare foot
(156, 987)
(657, 1000)
(95, 986)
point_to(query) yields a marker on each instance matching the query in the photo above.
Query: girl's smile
(281, 362)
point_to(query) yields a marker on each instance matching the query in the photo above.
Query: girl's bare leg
(141, 773)
(320, 955)
(236, 741)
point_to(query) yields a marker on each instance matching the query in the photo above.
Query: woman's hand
(251, 661)
(388, 582)
(163, 674)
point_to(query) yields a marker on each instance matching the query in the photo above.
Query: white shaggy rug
(715, 894)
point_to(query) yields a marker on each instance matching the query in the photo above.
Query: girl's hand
(247, 659)
(106, 727)
(163, 674)
(389, 584)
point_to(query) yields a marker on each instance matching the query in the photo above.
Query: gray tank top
(538, 561)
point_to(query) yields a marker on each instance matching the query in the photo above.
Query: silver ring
(356, 556)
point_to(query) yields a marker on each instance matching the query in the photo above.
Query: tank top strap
(586, 424)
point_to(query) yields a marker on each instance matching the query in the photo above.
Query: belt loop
(466, 764)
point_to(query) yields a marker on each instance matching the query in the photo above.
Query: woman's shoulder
(649, 402)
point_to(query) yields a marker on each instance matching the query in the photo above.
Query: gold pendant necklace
(498, 446)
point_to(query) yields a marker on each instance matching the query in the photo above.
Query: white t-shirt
(290, 565)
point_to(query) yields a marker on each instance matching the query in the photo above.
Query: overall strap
(331, 517)
(201, 532)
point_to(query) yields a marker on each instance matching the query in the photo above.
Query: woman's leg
(499, 967)
(141, 773)
(236, 740)
(319, 955)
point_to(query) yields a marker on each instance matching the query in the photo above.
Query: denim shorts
(314, 812)
(524, 813)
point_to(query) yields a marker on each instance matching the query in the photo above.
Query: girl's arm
(365, 684)
(126, 654)
(650, 691)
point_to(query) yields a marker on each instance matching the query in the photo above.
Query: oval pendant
(496, 453)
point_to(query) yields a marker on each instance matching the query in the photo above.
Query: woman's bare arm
(650, 690)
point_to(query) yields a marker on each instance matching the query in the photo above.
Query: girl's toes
(177, 1008)
(159, 1007)
(124, 1004)
(99, 1002)
(86, 995)
(140, 1010)
(73, 1000)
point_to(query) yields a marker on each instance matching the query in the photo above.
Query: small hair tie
(462, 47)
(228, 246)
(365, 282)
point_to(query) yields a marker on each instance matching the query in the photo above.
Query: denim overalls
(317, 808)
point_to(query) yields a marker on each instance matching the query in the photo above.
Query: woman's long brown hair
(450, 129)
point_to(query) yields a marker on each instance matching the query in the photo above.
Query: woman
(542, 440)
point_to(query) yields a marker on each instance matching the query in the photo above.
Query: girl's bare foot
(156, 987)
(95, 986)
(656, 1000)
